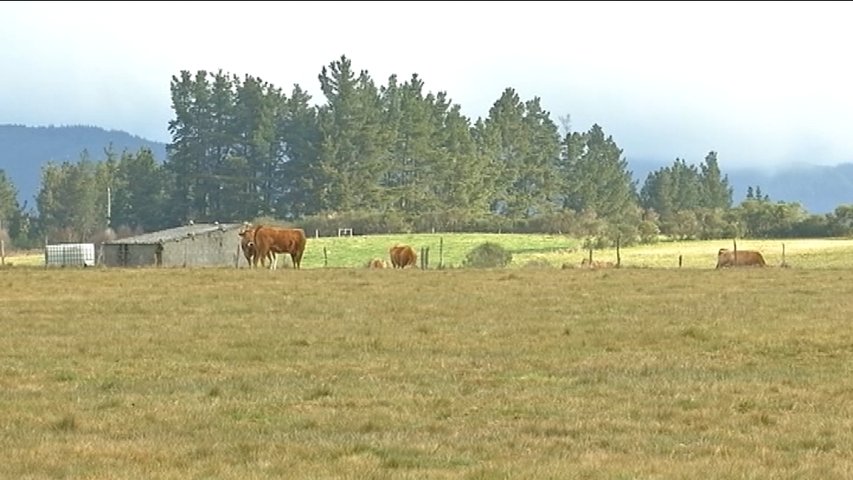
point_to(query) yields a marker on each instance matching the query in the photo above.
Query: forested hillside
(24, 150)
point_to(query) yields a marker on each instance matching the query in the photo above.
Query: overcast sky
(761, 83)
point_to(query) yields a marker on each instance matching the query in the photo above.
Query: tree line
(388, 158)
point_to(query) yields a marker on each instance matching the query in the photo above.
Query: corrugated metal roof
(176, 233)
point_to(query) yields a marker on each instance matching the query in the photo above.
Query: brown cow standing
(279, 240)
(247, 236)
(403, 256)
(745, 258)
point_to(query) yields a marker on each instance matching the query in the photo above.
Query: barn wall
(129, 255)
(211, 249)
(214, 249)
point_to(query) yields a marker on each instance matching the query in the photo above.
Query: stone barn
(200, 245)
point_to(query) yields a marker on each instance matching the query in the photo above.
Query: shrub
(488, 255)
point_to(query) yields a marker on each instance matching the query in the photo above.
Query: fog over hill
(818, 188)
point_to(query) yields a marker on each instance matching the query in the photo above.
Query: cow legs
(296, 258)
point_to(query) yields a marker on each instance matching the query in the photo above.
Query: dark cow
(247, 236)
(402, 256)
(279, 240)
(745, 258)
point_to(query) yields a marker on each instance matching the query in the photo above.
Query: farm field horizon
(543, 250)
(458, 373)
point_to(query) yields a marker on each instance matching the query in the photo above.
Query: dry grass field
(440, 374)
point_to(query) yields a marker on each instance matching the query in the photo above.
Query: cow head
(247, 233)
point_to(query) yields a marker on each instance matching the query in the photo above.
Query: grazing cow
(247, 236)
(745, 258)
(279, 240)
(403, 256)
(377, 263)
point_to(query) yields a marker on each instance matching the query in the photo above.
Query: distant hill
(23, 150)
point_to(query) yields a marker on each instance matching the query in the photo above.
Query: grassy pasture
(555, 250)
(549, 250)
(358, 250)
(469, 374)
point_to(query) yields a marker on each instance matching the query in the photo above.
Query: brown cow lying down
(596, 264)
(403, 256)
(377, 263)
(745, 258)
(279, 240)
(247, 235)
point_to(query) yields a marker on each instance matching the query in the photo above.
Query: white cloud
(760, 82)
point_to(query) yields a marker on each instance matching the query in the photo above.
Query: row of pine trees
(388, 157)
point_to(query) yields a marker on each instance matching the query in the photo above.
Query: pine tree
(595, 176)
(70, 208)
(462, 186)
(300, 176)
(686, 185)
(187, 151)
(354, 141)
(253, 176)
(140, 193)
(411, 162)
(657, 193)
(524, 158)
(716, 191)
(204, 136)
(9, 207)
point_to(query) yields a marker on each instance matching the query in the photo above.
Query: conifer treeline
(390, 157)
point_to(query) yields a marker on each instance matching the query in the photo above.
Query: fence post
(2, 253)
(618, 254)
(734, 241)
(325, 257)
(440, 253)
(679, 261)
